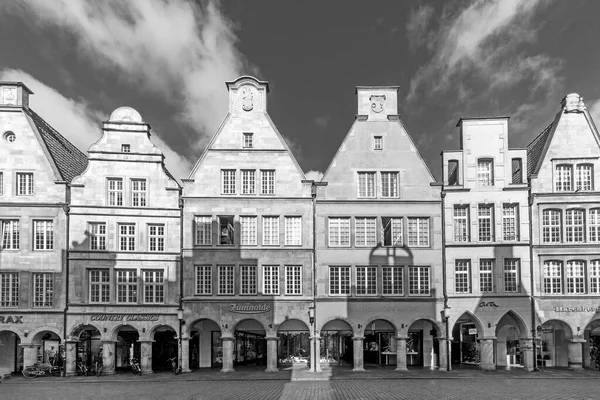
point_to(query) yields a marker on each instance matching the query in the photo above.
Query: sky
(170, 59)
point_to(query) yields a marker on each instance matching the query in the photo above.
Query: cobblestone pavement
(336, 384)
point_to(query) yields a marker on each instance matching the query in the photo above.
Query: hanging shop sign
(576, 309)
(126, 317)
(11, 319)
(249, 308)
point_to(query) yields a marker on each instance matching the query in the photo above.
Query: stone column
(185, 355)
(227, 354)
(271, 354)
(443, 354)
(315, 353)
(401, 354)
(30, 352)
(71, 357)
(108, 357)
(146, 356)
(575, 354)
(358, 354)
(526, 348)
(487, 354)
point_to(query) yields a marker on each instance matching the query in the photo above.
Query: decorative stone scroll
(377, 102)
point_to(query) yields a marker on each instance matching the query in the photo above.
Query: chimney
(573, 103)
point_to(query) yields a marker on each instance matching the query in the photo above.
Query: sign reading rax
(11, 319)
(249, 308)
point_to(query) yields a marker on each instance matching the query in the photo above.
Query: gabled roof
(536, 148)
(69, 160)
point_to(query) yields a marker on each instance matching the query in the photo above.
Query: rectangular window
(228, 181)
(43, 294)
(461, 223)
(584, 175)
(392, 281)
(485, 173)
(339, 232)
(127, 286)
(453, 172)
(203, 230)
(24, 183)
(509, 222)
(270, 279)
(551, 226)
(293, 279)
(575, 277)
(248, 140)
(517, 170)
(485, 222)
(574, 226)
(595, 277)
(267, 177)
(97, 235)
(486, 276)
(10, 234)
(563, 178)
(9, 289)
(248, 181)
(99, 286)
(248, 279)
(248, 228)
(138, 192)
(125, 148)
(418, 232)
(366, 184)
(115, 191)
(418, 281)
(226, 230)
(552, 277)
(126, 237)
(203, 279)
(594, 225)
(270, 231)
(154, 286)
(226, 279)
(156, 236)
(389, 184)
(44, 235)
(365, 231)
(378, 142)
(339, 280)
(391, 231)
(366, 280)
(293, 231)
(462, 281)
(511, 275)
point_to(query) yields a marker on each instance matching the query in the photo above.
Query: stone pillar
(358, 354)
(271, 354)
(30, 352)
(575, 354)
(527, 356)
(71, 357)
(146, 356)
(487, 354)
(443, 354)
(185, 355)
(315, 353)
(401, 354)
(108, 357)
(227, 354)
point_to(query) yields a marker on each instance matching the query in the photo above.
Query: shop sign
(11, 319)
(127, 317)
(372, 309)
(488, 304)
(472, 331)
(249, 308)
(576, 309)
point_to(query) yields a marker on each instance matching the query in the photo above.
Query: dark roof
(69, 160)
(535, 149)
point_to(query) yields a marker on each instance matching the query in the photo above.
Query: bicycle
(82, 369)
(135, 366)
(176, 369)
(39, 369)
(98, 367)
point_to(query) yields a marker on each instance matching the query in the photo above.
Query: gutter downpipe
(531, 279)
(180, 310)
(447, 327)
(66, 209)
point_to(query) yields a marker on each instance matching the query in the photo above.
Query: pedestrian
(594, 356)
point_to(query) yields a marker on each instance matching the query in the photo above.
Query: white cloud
(314, 175)
(78, 123)
(178, 49)
(417, 26)
(594, 109)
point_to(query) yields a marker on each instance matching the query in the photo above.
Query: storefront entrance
(206, 347)
(509, 331)
(380, 343)
(164, 347)
(127, 348)
(555, 337)
(592, 337)
(336, 343)
(422, 345)
(250, 347)
(89, 346)
(465, 342)
(294, 343)
(11, 353)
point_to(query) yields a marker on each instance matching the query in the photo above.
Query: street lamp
(311, 314)
(445, 317)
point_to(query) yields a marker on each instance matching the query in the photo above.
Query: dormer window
(378, 143)
(125, 148)
(583, 177)
(485, 172)
(563, 178)
(248, 144)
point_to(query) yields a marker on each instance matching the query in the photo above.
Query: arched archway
(422, 343)
(89, 345)
(294, 342)
(48, 346)
(250, 347)
(127, 346)
(466, 333)
(11, 353)
(206, 347)
(510, 332)
(555, 337)
(336, 342)
(379, 346)
(592, 338)
(164, 346)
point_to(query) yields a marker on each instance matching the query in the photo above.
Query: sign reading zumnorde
(577, 309)
(249, 308)
(127, 317)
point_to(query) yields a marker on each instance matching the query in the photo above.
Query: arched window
(574, 224)
(594, 225)
(575, 277)
(551, 226)
(552, 277)
(594, 273)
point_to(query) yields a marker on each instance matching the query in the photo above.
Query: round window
(10, 136)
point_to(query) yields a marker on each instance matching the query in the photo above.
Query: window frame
(125, 148)
(550, 279)
(267, 182)
(393, 183)
(562, 183)
(139, 192)
(200, 222)
(250, 279)
(160, 239)
(418, 233)
(1, 183)
(378, 142)
(369, 227)
(130, 284)
(462, 276)
(248, 144)
(10, 289)
(482, 181)
(506, 221)
(97, 237)
(392, 271)
(292, 230)
(248, 179)
(25, 181)
(549, 226)
(343, 283)
(118, 193)
(227, 272)
(204, 277)
(228, 181)
(594, 277)
(270, 230)
(339, 228)
(420, 292)
(593, 224)
(230, 230)
(459, 220)
(101, 284)
(157, 288)
(366, 280)
(369, 193)
(45, 291)
(248, 230)
(481, 219)
(572, 281)
(46, 235)
(396, 238)
(571, 228)
(130, 238)
(506, 273)
(295, 272)
(579, 183)
(270, 280)
(488, 272)
(13, 234)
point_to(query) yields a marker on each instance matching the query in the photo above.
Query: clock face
(126, 114)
